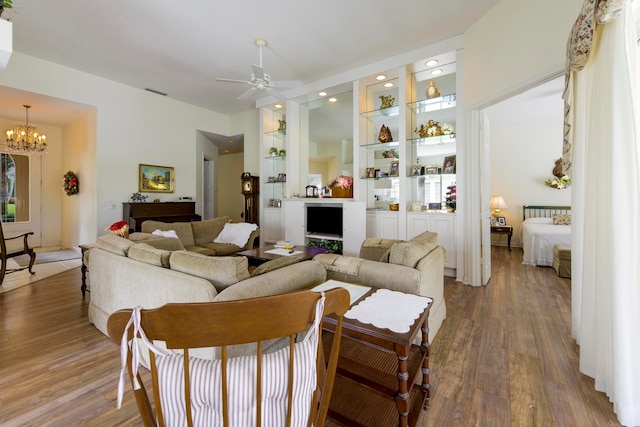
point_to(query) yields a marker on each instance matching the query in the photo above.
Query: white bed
(540, 235)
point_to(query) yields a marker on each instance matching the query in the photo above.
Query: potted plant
(5, 4)
(450, 199)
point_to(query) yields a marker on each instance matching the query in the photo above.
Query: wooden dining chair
(211, 392)
(6, 253)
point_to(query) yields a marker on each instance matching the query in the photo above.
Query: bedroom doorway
(521, 138)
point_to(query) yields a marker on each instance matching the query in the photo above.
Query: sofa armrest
(252, 239)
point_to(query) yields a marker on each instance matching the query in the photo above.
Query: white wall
(526, 140)
(229, 196)
(516, 43)
(132, 127)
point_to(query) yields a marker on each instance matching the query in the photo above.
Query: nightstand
(503, 229)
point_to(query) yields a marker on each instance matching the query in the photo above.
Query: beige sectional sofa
(197, 236)
(157, 271)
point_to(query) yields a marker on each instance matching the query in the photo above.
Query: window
(14, 187)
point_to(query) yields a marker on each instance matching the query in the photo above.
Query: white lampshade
(497, 203)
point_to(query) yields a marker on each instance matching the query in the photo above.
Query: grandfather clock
(251, 191)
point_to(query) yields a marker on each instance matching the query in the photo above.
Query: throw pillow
(561, 219)
(167, 233)
(274, 264)
(207, 230)
(237, 234)
(150, 255)
(408, 253)
(115, 244)
(220, 271)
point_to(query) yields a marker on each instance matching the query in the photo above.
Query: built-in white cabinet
(272, 227)
(382, 224)
(441, 223)
(353, 223)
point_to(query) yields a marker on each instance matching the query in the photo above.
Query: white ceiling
(179, 48)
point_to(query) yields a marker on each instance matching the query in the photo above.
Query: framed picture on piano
(155, 179)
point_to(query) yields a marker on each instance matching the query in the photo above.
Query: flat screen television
(326, 220)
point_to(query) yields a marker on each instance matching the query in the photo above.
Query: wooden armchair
(219, 389)
(6, 253)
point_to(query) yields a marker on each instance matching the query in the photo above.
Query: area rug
(49, 256)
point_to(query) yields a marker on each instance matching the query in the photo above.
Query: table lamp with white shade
(497, 203)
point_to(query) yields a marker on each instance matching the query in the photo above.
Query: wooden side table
(374, 384)
(503, 229)
(84, 248)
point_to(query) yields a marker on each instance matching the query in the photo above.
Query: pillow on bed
(561, 219)
(541, 220)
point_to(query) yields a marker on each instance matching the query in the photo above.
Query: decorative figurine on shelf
(432, 90)
(282, 125)
(386, 101)
(431, 128)
(138, 198)
(282, 153)
(273, 151)
(385, 134)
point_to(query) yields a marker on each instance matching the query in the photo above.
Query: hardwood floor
(504, 356)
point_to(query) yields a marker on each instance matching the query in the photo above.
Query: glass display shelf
(434, 140)
(381, 145)
(276, 158)
(434, 104)
(434, 176)
(385, 112)
(276, 133)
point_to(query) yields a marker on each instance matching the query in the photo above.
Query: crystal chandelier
(26, 138)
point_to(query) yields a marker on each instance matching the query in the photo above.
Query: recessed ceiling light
(388, 84)
(436, 72)
(226, 151)
(278, 106)
(381, 77)
(332, 99)
(322, 93)
(431, 62)
(230, 141)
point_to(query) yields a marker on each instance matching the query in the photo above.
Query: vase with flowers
(450, 198)
(342, 187)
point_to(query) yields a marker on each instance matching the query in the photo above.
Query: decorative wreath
(70, 183)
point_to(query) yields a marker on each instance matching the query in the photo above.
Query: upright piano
(136, 213)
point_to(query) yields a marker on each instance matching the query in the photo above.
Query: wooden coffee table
(259, 256)
(374, 384)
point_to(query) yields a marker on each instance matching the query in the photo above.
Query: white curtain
(604, 128)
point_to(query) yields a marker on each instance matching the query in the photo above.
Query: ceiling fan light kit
(261, 81)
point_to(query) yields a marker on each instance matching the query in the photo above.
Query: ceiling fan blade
(287, 83)
(247, 94)
(258, 72)
(232, 81)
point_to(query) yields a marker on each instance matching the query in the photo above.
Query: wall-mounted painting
(155, 179)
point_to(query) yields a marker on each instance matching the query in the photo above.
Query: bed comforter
(539, 236)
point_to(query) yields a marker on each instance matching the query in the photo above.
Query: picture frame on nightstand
(502, 221)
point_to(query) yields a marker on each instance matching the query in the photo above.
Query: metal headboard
(543, 211)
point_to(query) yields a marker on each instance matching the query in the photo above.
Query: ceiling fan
(261, 81)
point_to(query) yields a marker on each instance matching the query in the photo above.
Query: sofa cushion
(150, 255)
(339, 263)
(165, 243)
(237, 234)
(139, 236)
(274, 264)
(182, 229)
(207, 230)
(219, 249)
(428, 239)
(408, 254)
(202, 250)
(374, 248)
(220, 271)
(114, 244)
